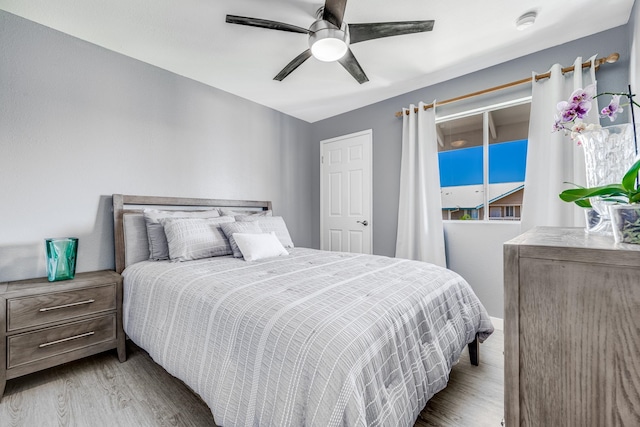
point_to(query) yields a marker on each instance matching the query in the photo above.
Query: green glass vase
(61, 258)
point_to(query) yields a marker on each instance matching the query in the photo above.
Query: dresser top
(574, 244)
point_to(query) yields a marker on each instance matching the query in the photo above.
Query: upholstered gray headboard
(129, 230)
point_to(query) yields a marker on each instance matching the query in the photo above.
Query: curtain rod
(609, 59)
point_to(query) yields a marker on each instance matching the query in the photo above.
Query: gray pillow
(231, 212)
(196, 238)
(239, 227)
(268, 224)
(158, 249)
(135, 238)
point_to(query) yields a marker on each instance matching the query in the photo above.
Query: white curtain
(553, 158)
(420, 233)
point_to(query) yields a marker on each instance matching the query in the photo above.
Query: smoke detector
(526, 20)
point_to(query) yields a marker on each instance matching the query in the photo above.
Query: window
(482, 157)
(495, 212)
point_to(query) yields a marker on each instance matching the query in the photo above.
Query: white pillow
(268, 224)
(259, 246)
(231, 228)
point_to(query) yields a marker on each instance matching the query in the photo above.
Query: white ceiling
(190, 38)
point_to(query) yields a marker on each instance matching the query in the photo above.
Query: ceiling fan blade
(291, 66)
(265, 23)
(334, 11)
(350, 63)
(362, 32)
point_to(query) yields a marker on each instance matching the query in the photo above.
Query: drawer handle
(47, 344)
(73, 304)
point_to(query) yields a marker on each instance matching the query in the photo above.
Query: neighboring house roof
(471, 196)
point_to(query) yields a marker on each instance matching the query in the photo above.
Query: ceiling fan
(330, 36)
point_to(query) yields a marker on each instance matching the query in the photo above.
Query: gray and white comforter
(313, 339)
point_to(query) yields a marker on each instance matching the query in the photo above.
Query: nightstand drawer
(41, 309)
(41, 344)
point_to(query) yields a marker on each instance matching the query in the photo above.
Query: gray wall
(79, 123)
(486, 275)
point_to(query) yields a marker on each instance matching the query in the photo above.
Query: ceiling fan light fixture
(327, 42)
(329, 49)
(330, 36)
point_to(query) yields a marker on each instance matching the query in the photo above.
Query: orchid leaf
(618, 199)
(629, 179)
(583, 203)
(584, 193)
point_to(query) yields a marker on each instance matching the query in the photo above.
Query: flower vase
(608, 153)
(625, 220)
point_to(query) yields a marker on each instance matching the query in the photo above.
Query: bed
(314, 338)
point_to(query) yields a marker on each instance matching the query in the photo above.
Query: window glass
(463, 143)
(461, 167)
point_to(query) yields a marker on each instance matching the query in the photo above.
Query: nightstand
(44, 324)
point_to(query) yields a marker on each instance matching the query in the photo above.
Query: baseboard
(497, 323)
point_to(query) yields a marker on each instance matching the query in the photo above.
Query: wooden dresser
(44, 324)
(571, 330)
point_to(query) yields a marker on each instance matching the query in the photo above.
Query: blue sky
(507, 162)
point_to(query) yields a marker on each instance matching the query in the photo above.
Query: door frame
(368, 132)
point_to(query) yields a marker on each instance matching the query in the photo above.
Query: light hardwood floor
(100, 391)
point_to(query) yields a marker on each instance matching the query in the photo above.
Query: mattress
(315, 338)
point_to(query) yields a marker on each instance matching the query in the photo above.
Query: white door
(345, 193)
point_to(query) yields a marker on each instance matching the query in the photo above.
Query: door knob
(365, 222)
